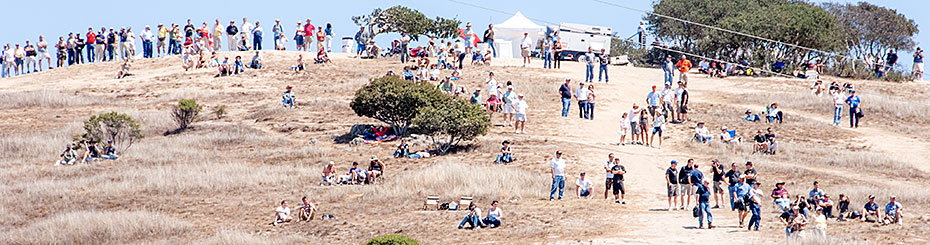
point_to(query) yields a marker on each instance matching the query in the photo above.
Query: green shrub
(451, 121)
(394, 101)
(117, 127)
(185, 113)
(220, 112)
(393, 239)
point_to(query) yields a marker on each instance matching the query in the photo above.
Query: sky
(55, 21)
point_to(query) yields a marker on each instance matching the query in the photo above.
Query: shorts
(674, 190)
(508, 108)
(618, 188)
(607, 183)
(657, 130)
(919, 67)
(43, 55)
(683, 109)
(18, 61)
(634, 126)
(521, 117)
(525, 52)
(739, 205)
(30, 59)
(688, 189)
(718, 187)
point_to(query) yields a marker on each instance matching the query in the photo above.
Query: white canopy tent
(511, 32)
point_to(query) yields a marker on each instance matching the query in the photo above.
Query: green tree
(452, 121)
(394, 101)
(117, 127)
(411, 21)
(869, 31)
(392, 239)
(185, 113)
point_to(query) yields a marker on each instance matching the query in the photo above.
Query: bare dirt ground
(220, 181)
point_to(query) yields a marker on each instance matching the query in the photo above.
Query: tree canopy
(394, 101)
(451, 121)
(403, 19)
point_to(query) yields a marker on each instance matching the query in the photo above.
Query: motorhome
(576, 38)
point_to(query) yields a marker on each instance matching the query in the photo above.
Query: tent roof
(518, 21)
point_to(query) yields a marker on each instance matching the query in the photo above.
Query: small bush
(185, 113)
(220, 112)
(118, 127)
(393, 239)
(394, 101)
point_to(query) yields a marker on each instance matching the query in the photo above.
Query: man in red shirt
(91, 36)
(308, 35)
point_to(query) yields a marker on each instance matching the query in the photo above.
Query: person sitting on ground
(256, 61)
(801, 203)
(306, 210)
(476, 97)
(761, 143)
(238, 66)
(110, 151)
(781, 197)
(124, 69)
(773, 113)
(375, 170)
(408, 74)
(356, 174)
(814, 196)
(282, 214)
(68, 156)
(727, 138)
(701, 133)
(300, 63)
(473, 218)
(893, 212)
(223, 67)
(750, 117)
(446, 86)
(772, 145)
(506, 155)
(493, 103)
(870, 210)
(321, 57)
(289, 98)
(329, 174)
(827, 205)
(494, 216)
(402, 149)
(583, 187)
(214, 61)
(842, 208)
(434, 73)
(90, 152)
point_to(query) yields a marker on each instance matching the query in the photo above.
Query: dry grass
(98, 227)
(452, 180)
(227, 237)
(45, 98)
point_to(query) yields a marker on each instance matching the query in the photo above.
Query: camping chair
(465, 201)
(431, 200)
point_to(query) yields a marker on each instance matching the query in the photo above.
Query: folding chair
(465, 201)
(431, 200)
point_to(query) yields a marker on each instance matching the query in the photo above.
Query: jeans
(70, 56)
(668, 77)
(461, 59)
(732, 190)
(471, 220)
(589, 111)
(404, 53)
(505, 158)
(582, 108)
(111, 49)
(756, 216)
(146, 49)
(257, 43)
(589, 73)
(288, 102)
(566, 104)
(602, 71)
(703, 139)
(853, 120)
(547, 60)
(109, 157)
(704, 208)
(493, 49)
(782, 203)
(788, 231)
(557, 183)
(837, 114)
(492, 221)
(90, 52)
(401, 153)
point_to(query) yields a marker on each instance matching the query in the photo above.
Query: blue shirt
(892, 208)
(704, 195)
(654, 98)
(919, 59)
(697, 177)
(871, 206)
(328, 31)
(853, 101)
(815, 192)
(742, 189)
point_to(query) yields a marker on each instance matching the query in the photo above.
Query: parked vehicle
(576, 38)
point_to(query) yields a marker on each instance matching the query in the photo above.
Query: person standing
(581, 95)
(246, 29)
(361, 38)
(854, 111)
(231, 35)
(703, 205)
(89, 45)
(547, 53)
(30, 59)
(717, 170)
(257, 36)
(525, 45)
(589, 65)
(671, 181)
(508, 98)
(683, 66)
(489, 39)
(404, 48)
(329, 37)
(217, 36)
(589, 110)
(669, 68)
(687, 187)
(42, 47)
(755, 206)
(565, 92)
(668, 103)
(78, 49)
(146, 37)
(838, 101)
(308, 35)
(520, 107)
(732, 176)
(6, 59)
(819, 223)
(642, 34)
(619, 192)
(162, 35)
(891, 59)
(558, 175)
(608, 182)
(277, 30)
(469, 38)
(682, 102)
(604, 60)
(653, 99)
(918, 72)
(557, 51)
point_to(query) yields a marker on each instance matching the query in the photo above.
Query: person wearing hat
(109, 152)
(329, 174)
(231, 35)
(583, 187)
(701, 133)
(289, 98)
(160, 47)
(520, 109)
(870, 209)
(727, 138)
(703, 193)
(146, 36)
(893, 211)
(674, 191)
(750, 117)
(819, 223)
(68, 156)
(565, 93)
(375, 169)
(581, 95)
(854, 112)
(781, 196)
(506, 155)
(476, 97)
(557, 166)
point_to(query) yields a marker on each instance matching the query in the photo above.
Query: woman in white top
(494, 216)
(624, 126)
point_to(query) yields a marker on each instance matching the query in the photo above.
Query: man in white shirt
(282, 214)
(492, 84)
(247, 29)
(583, 187)
(581, 94)
(520, 108)
(558, 175)
(146, 37)
(509, 98)
(838, 101)
(668, 101)
(611, 162)
(525, 45)
(701, 133)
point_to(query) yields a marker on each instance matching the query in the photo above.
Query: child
(288, 98)
(624, 127)
(657, 124)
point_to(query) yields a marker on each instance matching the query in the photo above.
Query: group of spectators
(355, 175)
(70, 155)
(305, 212)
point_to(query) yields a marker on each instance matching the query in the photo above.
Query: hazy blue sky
(26, 20)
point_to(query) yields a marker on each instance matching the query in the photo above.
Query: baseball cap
(653, 86)
(871, 196)
(674, 162)
(331, 163)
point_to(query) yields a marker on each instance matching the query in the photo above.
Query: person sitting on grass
(90, 152)
(329, 174)
(223, 67)
(238, 66)
(110, 151)
(402, 149)
(781, 196)
(842, 208)
(827, 205)
(493, 219)
(446, 86)
(68, 156)
(493, 103)
(583, 187)
(772, 146)
(408, 74)
(727, 138)
(870, 210)
(750, 117)
(282, 214)
(375, 169)
(124, 69)
(256, 61)
(306, 210)
(300, 63)
(289, 98)
(434, 73)
(356, 175)
(761, 143)
(473, 218)
(506, 155)
(476, 97)
(773, 113)
(701, 133)
(893, 212)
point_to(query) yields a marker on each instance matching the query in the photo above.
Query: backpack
(696, 212)
(444, 206)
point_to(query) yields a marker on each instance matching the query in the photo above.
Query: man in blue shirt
(853, 102)
(565, 92)
(277, 29)
(653, 99)
(892, 212)
(703, 205)
(870, 209)
(589, 65)
(669, 68)
(755, 207)
(603, 59)
(742, 189)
